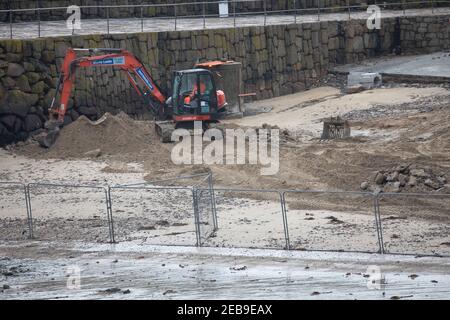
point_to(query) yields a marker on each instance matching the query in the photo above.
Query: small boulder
(420, 173)
(33, 77)
(380, 178)
(393, 187)
(8, 82)
(15, 70)
(432, 184)
(18, 103)
(364, 185)
(23, 84)
(403, 179)
(442, 180)
(412, 181)
(32, 122)
(39, 87)
(29, 67)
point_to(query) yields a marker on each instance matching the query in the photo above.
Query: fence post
(285, 221)
(383, 251)
(213, 202)
(265, 12)
(348, 9)
(403, 7)
(107, 19)
(109, 212)
(234, 13)
(196, 218)
(295, 11)
(29, 212)
(39, 22)
(142, 19)
(11, 23)
(378, 224)
(204, 15)
(175, 13)
(318, 10)
(432, 6)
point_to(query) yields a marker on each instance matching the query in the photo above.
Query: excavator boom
(137, 74)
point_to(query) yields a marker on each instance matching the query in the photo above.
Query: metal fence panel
(416, 223)
(331, 221)
(153, 215)
(14, 214)
(248, 219)
(69, 212)
(204, 206)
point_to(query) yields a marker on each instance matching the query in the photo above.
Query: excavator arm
(137, 74)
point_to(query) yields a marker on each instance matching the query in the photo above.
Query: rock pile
(409, 178)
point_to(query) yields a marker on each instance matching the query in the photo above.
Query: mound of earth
(111, 135)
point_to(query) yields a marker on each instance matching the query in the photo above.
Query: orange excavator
(194, 96)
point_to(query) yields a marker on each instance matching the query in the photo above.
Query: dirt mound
(110, 135)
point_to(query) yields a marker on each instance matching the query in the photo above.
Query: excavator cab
(194, 98)
(194, 94)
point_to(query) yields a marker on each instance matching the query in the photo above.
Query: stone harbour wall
(276, 59)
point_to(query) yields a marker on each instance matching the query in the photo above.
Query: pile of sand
(110, 135)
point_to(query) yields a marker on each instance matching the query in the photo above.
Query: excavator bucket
(47, 139)
(335, 128)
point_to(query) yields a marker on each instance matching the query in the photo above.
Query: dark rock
(87, 111)
(23, 84)
(33, 77)
(73, 114)
(48, 56)
(412, 181)
(12, 57)
(15, 70)
(29, 67)
(403, 179)
(9, 121)
(32, 122)
(22, 136)
(67, 120)
(403, 168)
(41, 68)
(380, 178)
(6, 137)
(420, 173)
(8, 82)
(432, 184)
(39, 87)
(442, 180)
(2, 92)
(18, 102)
